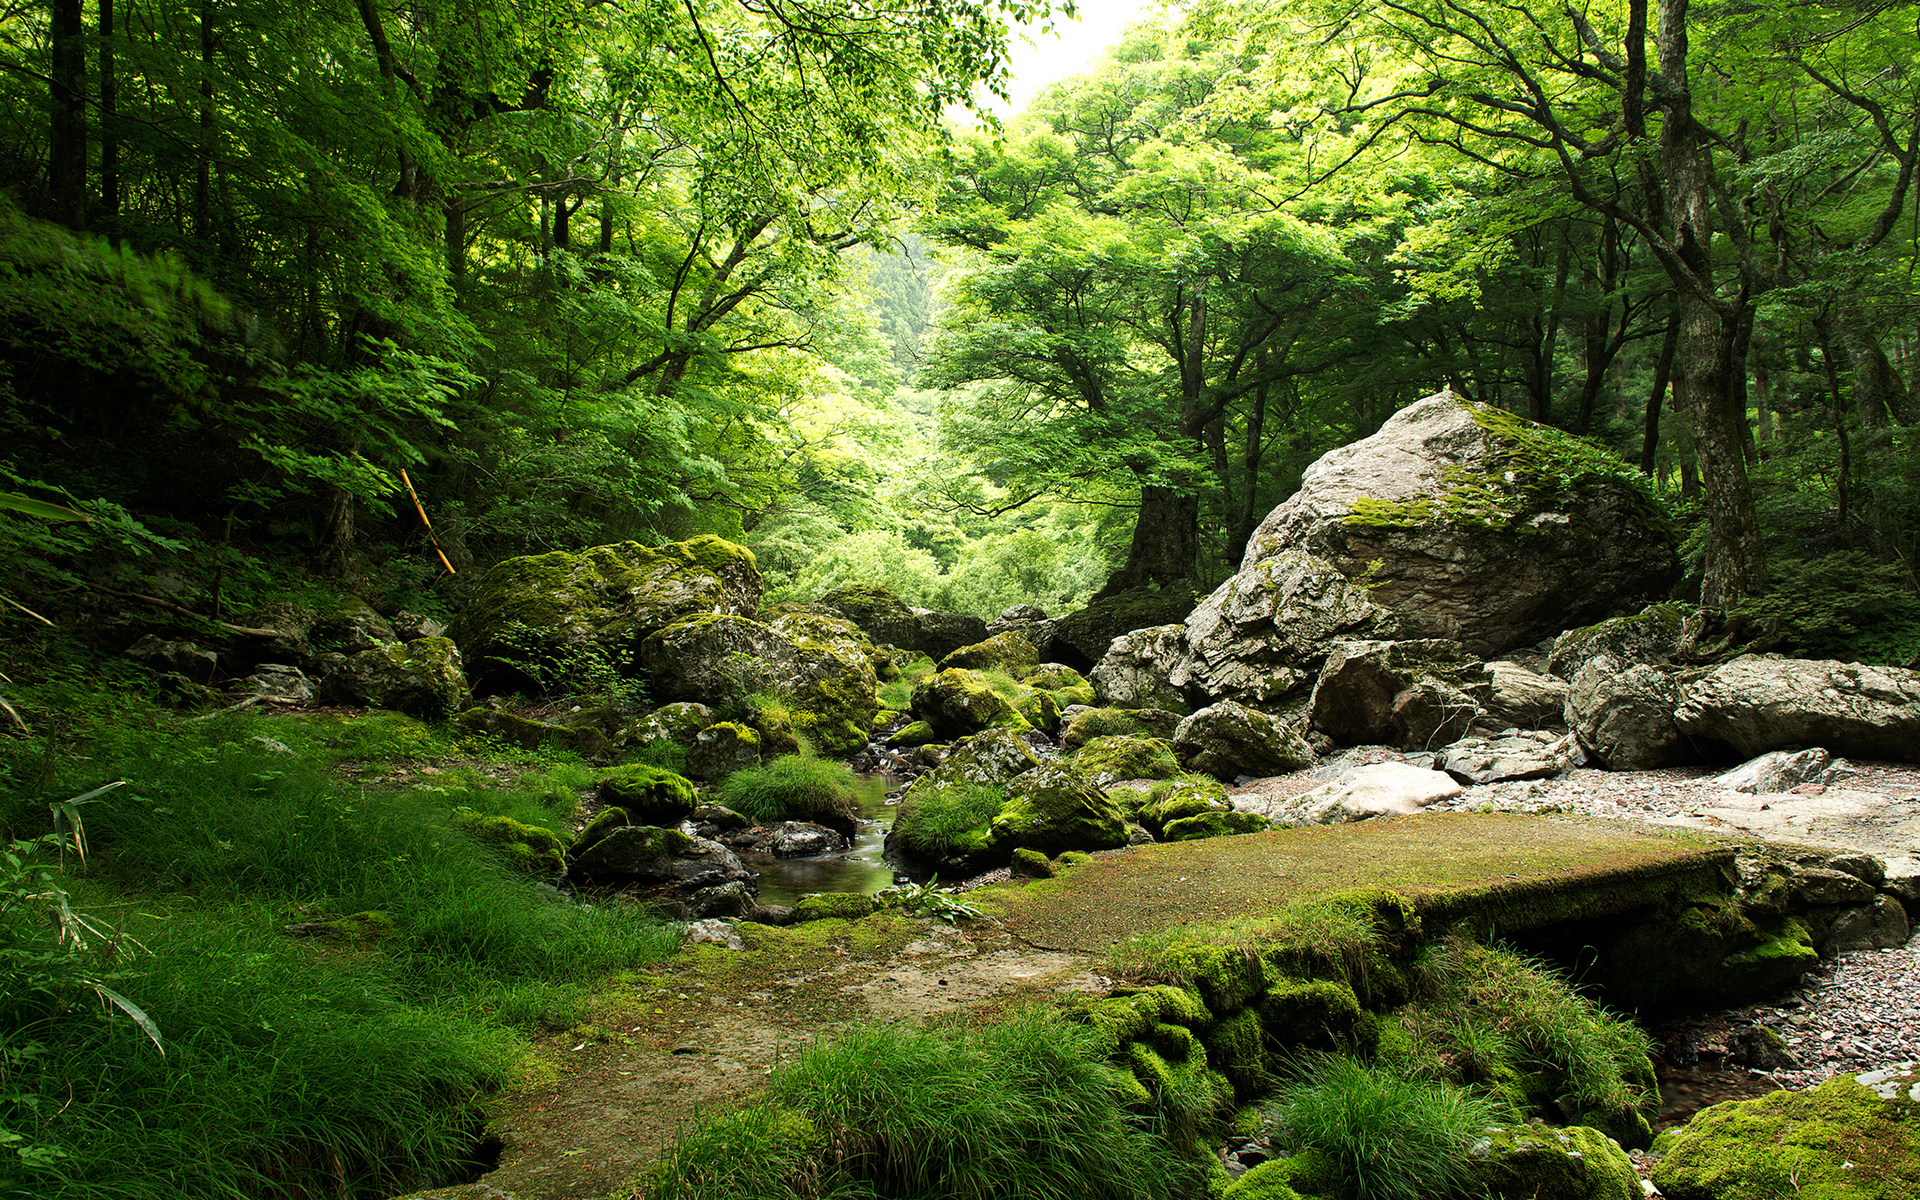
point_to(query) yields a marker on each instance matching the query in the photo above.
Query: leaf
(133, 1010)
(40, 508)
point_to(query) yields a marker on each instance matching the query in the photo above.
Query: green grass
(292, 1065)
(1021, 1108)
(938, 820)
(897, 694)
(796, 787)
(1379, 1134)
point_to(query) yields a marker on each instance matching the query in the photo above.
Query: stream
(861, 868)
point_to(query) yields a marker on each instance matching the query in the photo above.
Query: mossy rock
(914, 733)
(1129, 1014)
(554, 620)
(1851, 1138)
(1236, 1047)
(1213, 824)
(1009, 652)
(828, 678)
(1272, 1180)
(881, 614)
(1539, 1162)
(526, 847)
(834, 906)
(1052, 677)
(1109, 759)
(1053, 808)
(1169, 1062)
(1317, 1015)
(1039, 709)
(723, 748)
(1117, 722)
(1178, 799)
(422, 678)
(1226, 977)
(524, 732)
(958, 702)
(650, 795)
(1031, 864)
(604, 822)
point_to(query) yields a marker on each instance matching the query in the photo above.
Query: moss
(526, 847)
(713, 553)
(1052, 677)
(650, 795)
(1031, 864)
(957, 702)
(1053, 808)
(1213, 824)
(1127, 757)
(917, 733)
(1538, 1162)
(835, 714)
(1227, 977)
(1320, 1015)
(1839, 1141)
(1236, 1046)
(842, 906)
(608, 820)
(1039, 709)
(1073, 858)
(1266, 1181)
(1006, 651)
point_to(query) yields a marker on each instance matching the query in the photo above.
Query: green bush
(796, 787)
(1379, 1134)
(1842, 606)
(1020, 1108)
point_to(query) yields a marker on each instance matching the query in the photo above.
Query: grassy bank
(281, 966)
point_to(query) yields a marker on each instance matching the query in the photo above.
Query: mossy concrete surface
(1504, 871)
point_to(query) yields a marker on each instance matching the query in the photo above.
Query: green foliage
(292, 1063)
(1381, 1135)
(1020, 1107)
(953, 818)
(796, 787)
(583, 668)
(926, 900)
(1840, 606)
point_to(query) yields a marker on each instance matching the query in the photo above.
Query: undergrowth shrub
(1023, 1107)
(796, 787)
(1840, 606)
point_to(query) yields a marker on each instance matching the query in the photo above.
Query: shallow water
(863, 868)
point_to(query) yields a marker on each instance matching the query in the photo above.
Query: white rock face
(1383, 789)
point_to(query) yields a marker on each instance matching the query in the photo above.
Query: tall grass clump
(1514, 1024)
(948, 819)
(1373, 1133)
(796, 787)
(1021, 1108)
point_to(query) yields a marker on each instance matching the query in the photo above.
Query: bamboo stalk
(422, 510)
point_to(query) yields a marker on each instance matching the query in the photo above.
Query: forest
(328, 299)
(586, 272)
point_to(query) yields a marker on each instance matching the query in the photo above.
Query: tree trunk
(109, 134)
(203, 176)
(1166, 543)
(67, 134)
(1709, 377)
(1662, 376)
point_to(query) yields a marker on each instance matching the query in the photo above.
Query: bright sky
(1040, 59)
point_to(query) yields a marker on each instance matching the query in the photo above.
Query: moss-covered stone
(1030, 864)
(1009, 652)
(1177, 799)
(650, 795)
(1844, 1140)
(1226, 977)
(1053, 808)
(1539, 1162)
(838, 906)
(553, 621)
(723, 748)
(828, 679)
(957, 702)
(1108, 759)
(526, 847)
(1227, 740)
(516, 730)
(1211, 825)
(1267, 1181)
(422, 678)
(1236, 1047)
(604, 822)
(1117, 722)
(914, 733)
(1318, 1015)
(1039, 709)
(1052, 677)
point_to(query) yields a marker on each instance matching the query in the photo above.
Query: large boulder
(422, 678)
(1419, 695)
(1758, 703)
(1855, 1137)
(826, 677)
(1651, 636)
(1135, 670)
(1054, 808)
(1541, 1162)
(548, 622)
(1010, 652)
(1376, 790)
(1523, 698)
(1263, 635)
(352, 626)
(956, 702)
(1623, 714)
(1525, 755)
(1478, 525)
(1228, 740)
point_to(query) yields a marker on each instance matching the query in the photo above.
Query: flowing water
(862, 868)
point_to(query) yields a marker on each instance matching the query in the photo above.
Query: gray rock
(409, 625)
(1227, 740)
(1525, 699)
(1777, 771)
(992, 756)
(1881, 925)
(650, 854)
(730, 899)
(803, 839)
(1520, 756)
(285, 627)
(180, 658)
(352, 627)
(422, 678)
(720, 750)
(679, 722)
(716, 932)
(1825, 885)
(938, 634)
(277, 683)
(1262, 637)
(1491, 576)
(1623, 714)
(1083, 637)
(1135, 670)
(1416, 695)
(1651, 637)
(1758, 703)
